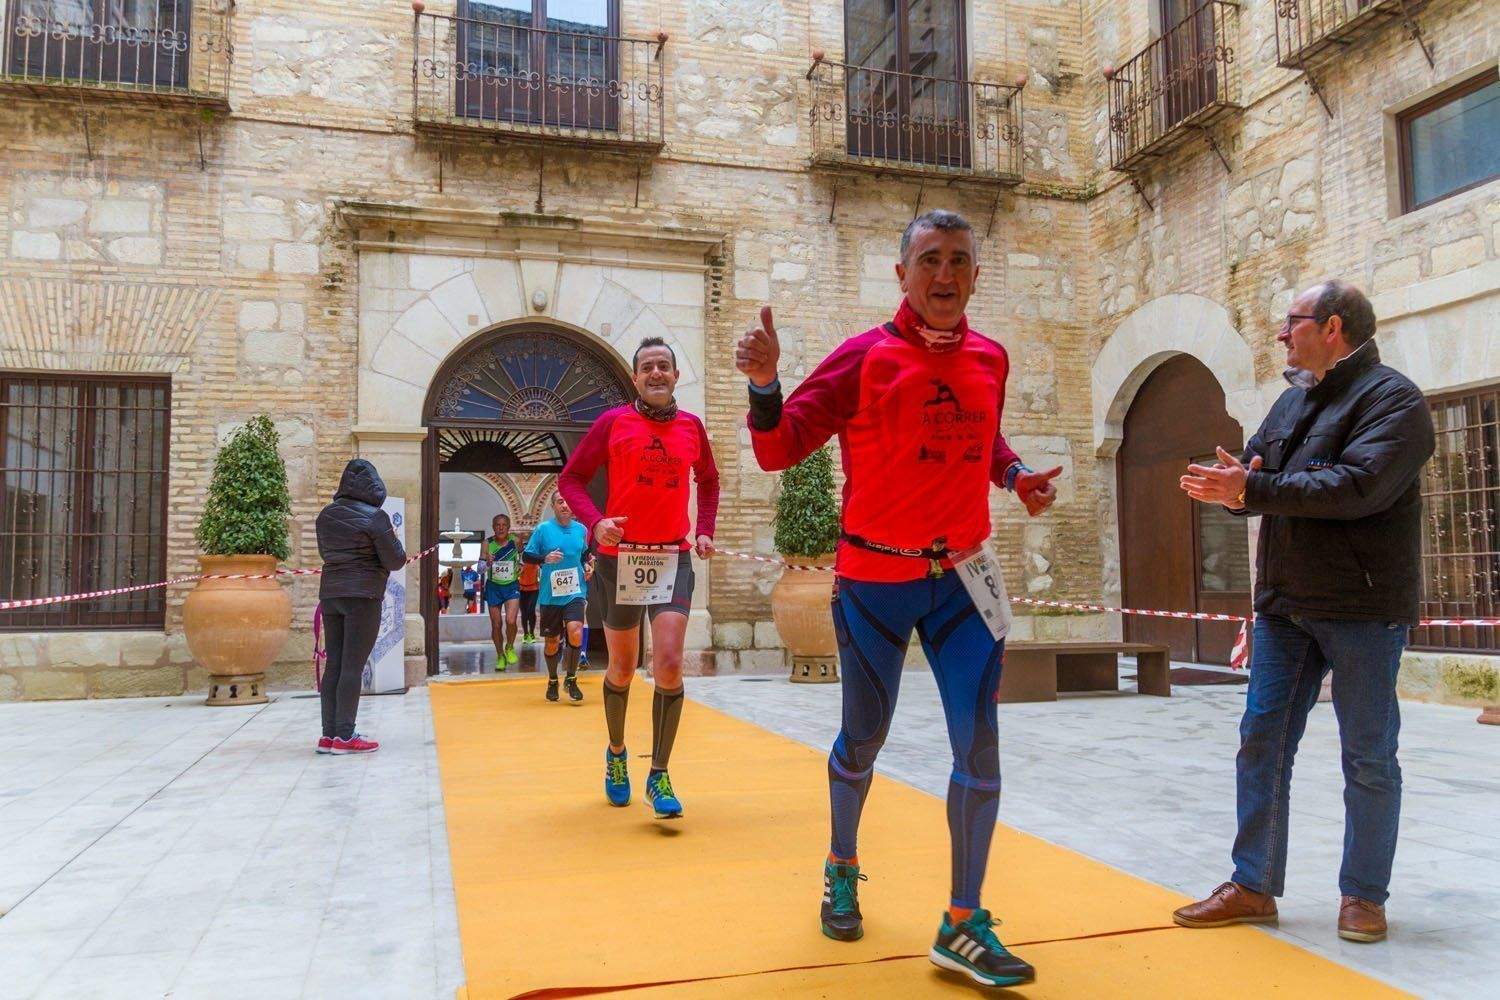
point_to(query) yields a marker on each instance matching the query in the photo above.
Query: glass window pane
(1223, 551)
(587, 16)
(871, 30)
(1455, 145)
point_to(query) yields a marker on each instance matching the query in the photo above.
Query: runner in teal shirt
(559, 547)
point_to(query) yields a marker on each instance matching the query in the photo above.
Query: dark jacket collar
(1344, 371)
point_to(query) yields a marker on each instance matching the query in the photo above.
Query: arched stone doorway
(1200, 374)
(512, 403)
(1176, 554)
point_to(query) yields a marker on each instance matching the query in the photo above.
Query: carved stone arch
(1160, 329)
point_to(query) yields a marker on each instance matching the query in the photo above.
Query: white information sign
(386, 668)
(646, 576)
(980, 573)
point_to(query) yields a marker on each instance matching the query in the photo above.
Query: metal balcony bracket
(202, 160)
(541, 163)
(1135, 182)
(88, 139)
(994, 209)
(1312, 81)
(917, 208)
(1214, 145)
(834, 205)
(637, 185)
(1415, 31)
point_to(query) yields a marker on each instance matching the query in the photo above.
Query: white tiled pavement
(159, 848)
(1147, 785)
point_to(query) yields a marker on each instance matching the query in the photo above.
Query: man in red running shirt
(916, 405)
(644, 564)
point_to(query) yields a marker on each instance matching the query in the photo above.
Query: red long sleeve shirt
(919, 436)
(648, 462)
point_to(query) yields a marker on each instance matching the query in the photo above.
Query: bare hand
(759, 350)
(1223, 483)
(608, 530)
(705, 547)
(555, 556)
(1036, 490)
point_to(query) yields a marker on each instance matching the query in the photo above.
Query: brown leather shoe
(1230, 903)
(1361, 920)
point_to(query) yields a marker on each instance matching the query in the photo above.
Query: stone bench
(1036, 671)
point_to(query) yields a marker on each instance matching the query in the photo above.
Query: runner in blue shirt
(559, 547)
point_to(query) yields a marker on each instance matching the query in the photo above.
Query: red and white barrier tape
(37, 602)
(1107, 609)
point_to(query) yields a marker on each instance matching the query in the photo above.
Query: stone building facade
(311, 243)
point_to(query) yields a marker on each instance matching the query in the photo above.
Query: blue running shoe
(660, 797)
(616, 778)
(972, 949)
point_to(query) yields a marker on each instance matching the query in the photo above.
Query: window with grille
(1461, 522)
(84, 498)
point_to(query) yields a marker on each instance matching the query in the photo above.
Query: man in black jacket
(360, 551)
(1334, 473)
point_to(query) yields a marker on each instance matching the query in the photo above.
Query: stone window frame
(1398, 121)
(86, 616)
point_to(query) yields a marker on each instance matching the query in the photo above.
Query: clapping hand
(1223, 483)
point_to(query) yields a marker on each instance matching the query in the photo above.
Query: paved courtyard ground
(159, 848)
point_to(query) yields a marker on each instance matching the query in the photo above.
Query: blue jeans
(1291, 655)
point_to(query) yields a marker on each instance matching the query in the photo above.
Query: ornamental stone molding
(1159, 330)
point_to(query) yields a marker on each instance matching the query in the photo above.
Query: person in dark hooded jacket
(360, 550)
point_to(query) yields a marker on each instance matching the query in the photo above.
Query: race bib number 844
(980, 573)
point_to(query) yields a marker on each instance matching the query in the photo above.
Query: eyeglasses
(1291, 319)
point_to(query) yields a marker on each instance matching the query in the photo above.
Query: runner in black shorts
(649, 449)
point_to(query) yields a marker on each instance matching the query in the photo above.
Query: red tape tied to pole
(37, 602)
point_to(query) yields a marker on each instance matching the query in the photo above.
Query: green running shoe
(841, 917)
(972, 949)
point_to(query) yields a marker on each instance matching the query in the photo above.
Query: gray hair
(1349, 304)
(939, 219)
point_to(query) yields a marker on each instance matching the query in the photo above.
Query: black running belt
(933, 553)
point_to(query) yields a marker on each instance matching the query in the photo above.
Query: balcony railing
(476, 76)
(889, 122)
(1175, 87)
(1306, 29)
(162, 51)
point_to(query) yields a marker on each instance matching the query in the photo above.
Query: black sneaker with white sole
(840, 915)
(571, 686)
(552, 690)
(972, 949)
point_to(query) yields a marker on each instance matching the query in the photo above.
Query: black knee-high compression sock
(615, 700)
(552, 659)
(570, 660)
(666, 712)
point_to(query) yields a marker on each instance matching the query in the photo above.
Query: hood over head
(362, 482)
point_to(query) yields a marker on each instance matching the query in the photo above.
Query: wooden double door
(1176, 554)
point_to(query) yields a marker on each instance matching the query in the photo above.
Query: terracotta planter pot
(235, 628)
(800, 605)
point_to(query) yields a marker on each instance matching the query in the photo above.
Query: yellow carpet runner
(561, 894)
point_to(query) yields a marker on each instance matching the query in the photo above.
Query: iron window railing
(1307, 29)
(888, 121)
(1461, 522)
(84, 501)
(1175, 87)
(165, 51)
(587, 87)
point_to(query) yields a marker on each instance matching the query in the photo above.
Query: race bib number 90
(645, 577)
(566, 582)
(980, 573)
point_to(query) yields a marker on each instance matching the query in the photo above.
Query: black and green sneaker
(841, 917)
(973, 949)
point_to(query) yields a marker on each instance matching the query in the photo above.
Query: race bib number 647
(565, 582)
(980, 573)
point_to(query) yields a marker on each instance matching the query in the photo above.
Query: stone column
(396, 452)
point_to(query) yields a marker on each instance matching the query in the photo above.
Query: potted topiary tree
(235, 628)
(807, 532)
